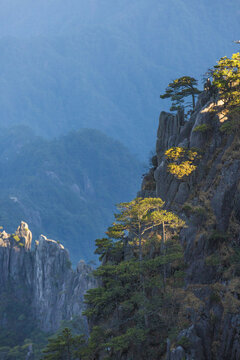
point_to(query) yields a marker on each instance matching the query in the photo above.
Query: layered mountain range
(39, 285)
(66, 187)
(103, 65)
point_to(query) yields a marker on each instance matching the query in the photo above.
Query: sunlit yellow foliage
(175, 153)
(181, 161)
(192, 155)
(16, 237)
(185, 168)
(226, 78)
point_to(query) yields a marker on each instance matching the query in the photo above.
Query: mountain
(39, 291)
(65, 188)
(169, 286)
(103, 65)
(168, 283)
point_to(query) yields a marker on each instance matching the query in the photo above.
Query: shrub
(202, 128)
(181, 161)
(218, 236)
(187, 208)
(227, 127)
(181, 170)
(184, 342)
(213, 260)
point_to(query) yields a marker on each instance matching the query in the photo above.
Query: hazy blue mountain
(65, 188)
(101, 64)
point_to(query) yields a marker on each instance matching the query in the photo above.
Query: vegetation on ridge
(181, 161)
(179, 89)
(226, 78)
(141, 301)
(140, 267)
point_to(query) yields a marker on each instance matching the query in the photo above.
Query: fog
(103, 64)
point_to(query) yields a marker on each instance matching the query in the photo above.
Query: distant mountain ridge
(65, 188)
(100, 65)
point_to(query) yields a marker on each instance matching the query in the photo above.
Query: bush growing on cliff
(181, 161)
(202, 128)
(226, 78)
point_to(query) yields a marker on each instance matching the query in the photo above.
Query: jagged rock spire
(24, 233)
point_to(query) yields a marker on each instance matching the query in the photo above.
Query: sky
(103, 64)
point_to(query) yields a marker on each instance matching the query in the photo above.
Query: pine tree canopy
(179, 89)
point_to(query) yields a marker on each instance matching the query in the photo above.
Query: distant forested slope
(64, 188)
(102, 64)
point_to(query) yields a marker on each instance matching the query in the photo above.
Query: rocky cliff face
(209, 201)
(40, 281)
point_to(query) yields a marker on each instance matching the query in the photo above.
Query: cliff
(39, 286)
(209, 201)
(170, 271)
(175, 295)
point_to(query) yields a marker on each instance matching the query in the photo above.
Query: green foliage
(226, 78)
(187, 208)
(181, 161)
(133, 336)
(200, 212)
(218, 236)
(227, 127)
(96, 343)
(140, 216)
(202, 128)
(77, 325)
(213, 260)
(64, 346)
(184, 342)
(179, 89)
(130, 303)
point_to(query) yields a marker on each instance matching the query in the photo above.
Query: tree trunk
(193, 101)
(142, 281)
(140, 246)
(163, 238)
(163, 248)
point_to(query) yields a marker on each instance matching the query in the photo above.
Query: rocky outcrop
(42, 278)
(25, 235)
(209, 201)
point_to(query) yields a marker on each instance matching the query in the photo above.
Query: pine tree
(64, 346)
(128, 308)
(226, 78)
(141, 216)
(179, 89)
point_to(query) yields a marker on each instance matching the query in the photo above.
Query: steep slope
(65, 188)
(38, 288)
(181, 300)
(209, 202)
